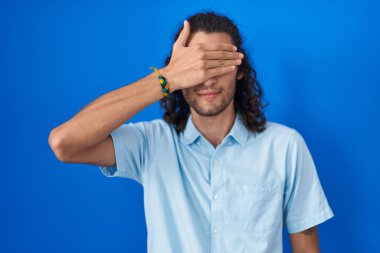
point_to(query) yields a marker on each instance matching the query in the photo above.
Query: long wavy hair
(248, 98)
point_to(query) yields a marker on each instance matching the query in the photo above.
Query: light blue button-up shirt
(232, 199)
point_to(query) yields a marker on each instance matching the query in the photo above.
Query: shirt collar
(238, 131)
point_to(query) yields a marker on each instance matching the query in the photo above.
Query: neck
(215, 128)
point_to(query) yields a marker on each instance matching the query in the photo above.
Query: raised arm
(305, 241)
(85, 138)
(86, 135)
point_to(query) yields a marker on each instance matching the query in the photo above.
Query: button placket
(216, 218)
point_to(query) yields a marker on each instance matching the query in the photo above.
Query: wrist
(170, 79)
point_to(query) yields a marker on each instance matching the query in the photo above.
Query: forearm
(98, 119)
(305, 241)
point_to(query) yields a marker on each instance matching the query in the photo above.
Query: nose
(210, 81)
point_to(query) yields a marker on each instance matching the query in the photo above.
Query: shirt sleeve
(305, 203)
(129, 141)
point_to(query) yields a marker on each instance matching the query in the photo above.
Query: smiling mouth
(209, 95)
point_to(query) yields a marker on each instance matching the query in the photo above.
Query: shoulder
(279, 127)
(278, 135)
(154, 127)
(278, 130)
(284, 134)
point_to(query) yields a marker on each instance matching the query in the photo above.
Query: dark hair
(248, 94)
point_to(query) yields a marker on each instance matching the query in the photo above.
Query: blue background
(318, 64)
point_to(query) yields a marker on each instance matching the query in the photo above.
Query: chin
(207, 110)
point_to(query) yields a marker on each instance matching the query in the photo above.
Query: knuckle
(197, 49)
(201, 64)
(202, 55)
(193, 50)
(223, 70)
(221, 63)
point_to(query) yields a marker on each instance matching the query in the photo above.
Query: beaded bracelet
(164, 84)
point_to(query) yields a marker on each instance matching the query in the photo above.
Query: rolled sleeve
(305, 203)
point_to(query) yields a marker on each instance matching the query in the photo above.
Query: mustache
(203, 90)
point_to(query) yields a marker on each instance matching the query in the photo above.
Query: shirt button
(216, 196)
(215, 162)
(214, 230)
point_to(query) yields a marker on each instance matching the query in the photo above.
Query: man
(217, 176)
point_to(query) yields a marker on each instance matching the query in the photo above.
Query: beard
(210, 108)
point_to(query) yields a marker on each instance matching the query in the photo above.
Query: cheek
(228, 81)
(186, 93)
(229, 77)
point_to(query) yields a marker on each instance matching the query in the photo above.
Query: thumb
(184, 34)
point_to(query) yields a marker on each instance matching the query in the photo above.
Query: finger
(219, 71)
(221, 63)
(218, 46)
(222, 55)
(184, 34)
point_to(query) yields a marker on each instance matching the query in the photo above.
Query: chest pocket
(256, 207)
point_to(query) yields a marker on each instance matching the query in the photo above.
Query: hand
(190, 66)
